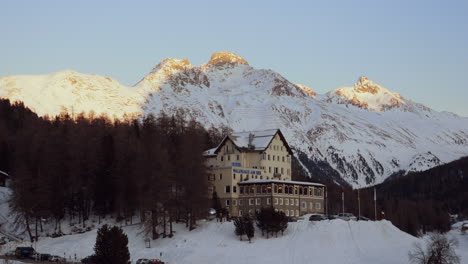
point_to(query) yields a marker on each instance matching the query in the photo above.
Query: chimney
(250, 145)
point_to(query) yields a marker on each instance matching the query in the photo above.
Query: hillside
(360, 134)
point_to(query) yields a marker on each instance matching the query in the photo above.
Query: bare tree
(439, 250)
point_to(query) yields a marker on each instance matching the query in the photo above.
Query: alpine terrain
(360, 134)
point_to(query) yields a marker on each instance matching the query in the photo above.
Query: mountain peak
(364, 85)
(225, 57)
(173, 65)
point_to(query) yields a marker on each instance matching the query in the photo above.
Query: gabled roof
(252, 141)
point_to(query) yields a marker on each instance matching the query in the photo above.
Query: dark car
(24, 252)
(331, 217)
(41, 257)
(317, 217)
(362, 218)
(292, 218)
(89, 259)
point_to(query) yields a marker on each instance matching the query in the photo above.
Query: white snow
(364, 145)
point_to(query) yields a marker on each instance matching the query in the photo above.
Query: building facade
(259, 160)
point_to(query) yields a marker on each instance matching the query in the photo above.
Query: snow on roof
(279, 181)
(210, 152)
(4, 173)
(259, 140)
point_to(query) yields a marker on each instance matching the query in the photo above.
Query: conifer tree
(111, 246)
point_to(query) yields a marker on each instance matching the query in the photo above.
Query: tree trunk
(36, 229)
(29, 229)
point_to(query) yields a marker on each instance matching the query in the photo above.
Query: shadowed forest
(76, 167)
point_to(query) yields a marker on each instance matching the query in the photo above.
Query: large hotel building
(251, 170)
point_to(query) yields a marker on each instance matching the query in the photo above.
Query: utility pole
(359, 204)
(375, 205)
(342, 200)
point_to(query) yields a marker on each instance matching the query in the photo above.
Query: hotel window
(268, 201)
(281, 201)
(280, 189)
(317, 206)
(229, 157)
(269, 169)
(306, 191)
(287, 212)
(257, 201)
(227, 202)
(292, 201)
(220, 176)
(237, 157)
(286, 202)
(282, 171)
(241, 189)
(276, 201)
(234, 176)
(300, 191)
(276, 170)
(259, 189)
(282, 158)
(234, 202)
(269, 189)
(240, 201)
(297, 212)
(268, 156)
(240, 212)
(251, 201)
(273, 157)
(234, 189)
(304, 205)
(295, 190)
(228, 189)
(222, 158)
(282, 150)
(297, 202)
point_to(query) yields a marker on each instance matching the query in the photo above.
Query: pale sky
(416, 48)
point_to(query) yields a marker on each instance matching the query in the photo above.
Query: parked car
(347, 216)
(292, 219)
(89, 259)
(362, 218)
(331, 217)
(155, 261)
(24, 252)
(464, 228)
(57, 259)
(142, 261)
(40, 256)
(317, 217)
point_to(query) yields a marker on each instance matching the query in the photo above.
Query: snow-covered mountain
(362, 134)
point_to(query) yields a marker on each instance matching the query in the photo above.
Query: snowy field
(334, 241)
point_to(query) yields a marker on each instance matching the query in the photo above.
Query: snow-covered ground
(333, 241)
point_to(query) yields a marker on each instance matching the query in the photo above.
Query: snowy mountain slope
(362, 134)
(71, 92)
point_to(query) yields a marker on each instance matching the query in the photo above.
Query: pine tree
(111, 246)
(249, 228)
(239, 223)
